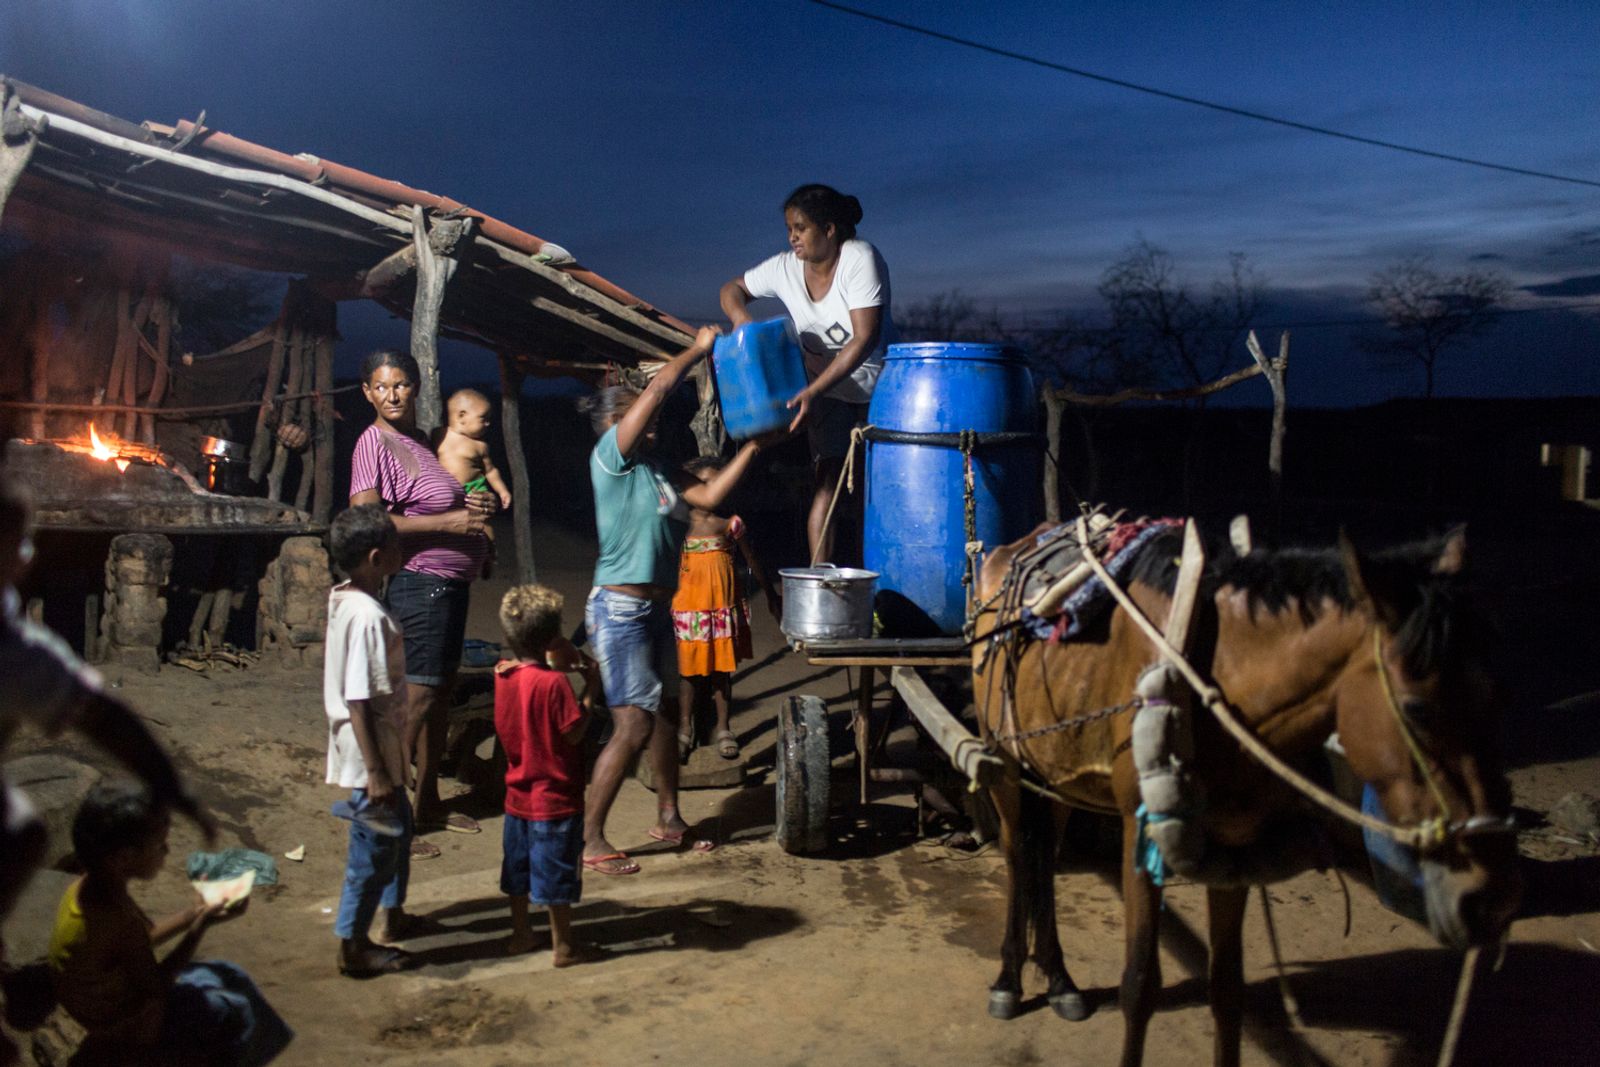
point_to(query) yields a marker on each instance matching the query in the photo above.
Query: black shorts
(432, 612)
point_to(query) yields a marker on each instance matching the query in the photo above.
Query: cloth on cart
(710, 617)
(1122, 544)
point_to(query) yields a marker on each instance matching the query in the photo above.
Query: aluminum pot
(827, 602)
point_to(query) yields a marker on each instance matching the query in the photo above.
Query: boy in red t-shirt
(540, 724)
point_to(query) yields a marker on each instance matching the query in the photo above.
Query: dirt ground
(879, 953)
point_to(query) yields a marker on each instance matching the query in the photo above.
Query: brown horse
(1300, 644)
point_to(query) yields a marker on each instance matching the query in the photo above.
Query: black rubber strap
(991, 439)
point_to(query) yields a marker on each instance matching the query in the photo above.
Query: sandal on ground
(727, 744)
(424, 850)
(389, 961)
(610, 863)
(696, 842)
(455, 822)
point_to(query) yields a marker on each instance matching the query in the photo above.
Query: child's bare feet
(521, 942)
(573, 953)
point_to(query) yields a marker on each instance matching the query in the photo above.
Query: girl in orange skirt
(710, 616)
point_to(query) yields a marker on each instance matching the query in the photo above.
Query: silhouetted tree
(1163, 332)
(1427, 313)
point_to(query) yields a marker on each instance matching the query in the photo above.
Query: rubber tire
(802, 775)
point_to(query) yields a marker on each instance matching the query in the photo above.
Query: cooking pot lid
(827, 571)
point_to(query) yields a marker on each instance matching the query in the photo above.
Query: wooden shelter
(102, 206)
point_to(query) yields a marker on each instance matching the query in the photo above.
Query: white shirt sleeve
(363, 660)
(861, 282)
(766, 278)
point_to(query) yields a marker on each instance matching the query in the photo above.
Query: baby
(464, 451)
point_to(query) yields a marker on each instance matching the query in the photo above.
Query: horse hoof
(1070, 1006)
(1003, 1005)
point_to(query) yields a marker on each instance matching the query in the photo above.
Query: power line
(1197, 102)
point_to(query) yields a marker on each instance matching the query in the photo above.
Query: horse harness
(1008, 637)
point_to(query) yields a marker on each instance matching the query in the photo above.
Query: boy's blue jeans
(376, 869)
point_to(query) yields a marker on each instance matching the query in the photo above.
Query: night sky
(657, 141)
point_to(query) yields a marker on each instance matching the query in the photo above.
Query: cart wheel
(803, 764)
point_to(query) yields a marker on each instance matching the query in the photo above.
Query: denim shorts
(542, 859)
(828, 428)
(634, 643)
(432, 612)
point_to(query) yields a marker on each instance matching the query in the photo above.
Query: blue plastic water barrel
(758, 367)
(915, 536)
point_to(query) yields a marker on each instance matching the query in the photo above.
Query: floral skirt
(709, 617)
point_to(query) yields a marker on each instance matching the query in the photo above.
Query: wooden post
(1055, 407)
(161, 311)
(18, 136)
(280, 454)
(517, 460)
(261, 443)
(322, 486)
(438, 248)
(1275, 371)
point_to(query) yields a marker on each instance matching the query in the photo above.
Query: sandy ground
(878, 953)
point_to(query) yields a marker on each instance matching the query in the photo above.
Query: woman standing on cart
(641, 512)
(835, 287)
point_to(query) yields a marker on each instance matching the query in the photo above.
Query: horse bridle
(1436, 831)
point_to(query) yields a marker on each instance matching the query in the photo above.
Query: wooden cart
(803, 760)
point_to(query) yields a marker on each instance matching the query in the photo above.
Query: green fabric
(230, 863)
(476, 485)
(640, 541)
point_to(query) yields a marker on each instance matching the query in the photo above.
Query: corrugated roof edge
(333, 176)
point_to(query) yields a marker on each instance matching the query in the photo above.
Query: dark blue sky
(657, 140)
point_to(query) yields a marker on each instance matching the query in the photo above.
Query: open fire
(100, 450)
(109, 448)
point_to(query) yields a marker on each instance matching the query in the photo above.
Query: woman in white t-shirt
(836, 289)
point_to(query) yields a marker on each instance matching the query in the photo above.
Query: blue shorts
(432, 612)
(634, 643)
(543, 859)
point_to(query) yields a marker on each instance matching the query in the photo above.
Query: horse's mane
(1433, 606)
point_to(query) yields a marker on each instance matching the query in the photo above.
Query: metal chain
(1075, 721)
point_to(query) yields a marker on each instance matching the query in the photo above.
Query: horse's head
(1416, 716)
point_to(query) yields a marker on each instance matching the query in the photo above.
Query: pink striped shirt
(426, 489)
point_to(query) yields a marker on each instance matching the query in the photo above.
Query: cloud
(1582, 285)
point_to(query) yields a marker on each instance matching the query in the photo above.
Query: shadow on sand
(474, 932)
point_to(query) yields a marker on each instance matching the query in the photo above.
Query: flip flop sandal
(455, 822)
(620, 864)
(696, 844)
(727, 744)
(424, 850)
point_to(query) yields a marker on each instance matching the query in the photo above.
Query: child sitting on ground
(363, 693)
(540, 724)
(463, 449)
(102, 953)
(710, 617)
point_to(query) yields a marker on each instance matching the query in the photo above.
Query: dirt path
(879, 954)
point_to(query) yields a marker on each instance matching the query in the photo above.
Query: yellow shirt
(105, 967)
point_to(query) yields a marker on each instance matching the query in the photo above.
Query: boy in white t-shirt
(363, 692)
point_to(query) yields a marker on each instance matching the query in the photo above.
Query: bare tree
(943, 316)
(1164, 333)
(1428, 313)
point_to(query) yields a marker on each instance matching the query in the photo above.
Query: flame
(98, 448)
(102, 451)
